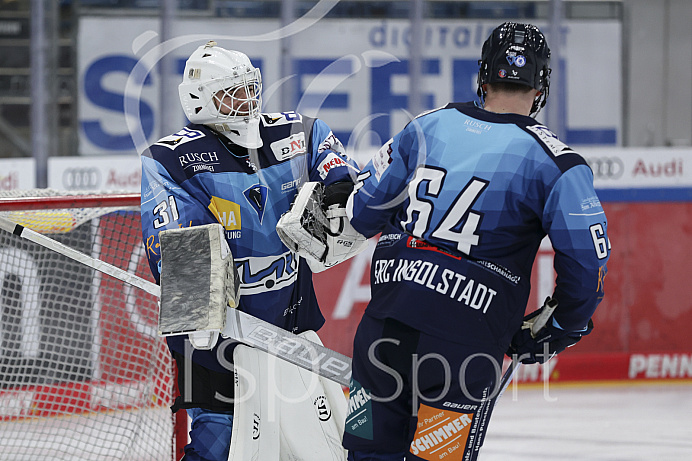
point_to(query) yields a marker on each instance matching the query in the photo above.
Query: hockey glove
(541, 346)
(321, 234)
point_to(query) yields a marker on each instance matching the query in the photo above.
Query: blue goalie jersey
(196, 177)
(463, 198)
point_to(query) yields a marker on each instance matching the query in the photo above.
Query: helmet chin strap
(245, 134)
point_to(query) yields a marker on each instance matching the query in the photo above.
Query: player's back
(488, 177)
(484, 188)
(475, 183)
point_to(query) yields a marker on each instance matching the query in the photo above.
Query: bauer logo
(359, 419)
(227, 213)
(287, 148)
(255, 426)
(440, 433)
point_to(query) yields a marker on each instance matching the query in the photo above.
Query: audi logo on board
(606, 167)
(81, 178)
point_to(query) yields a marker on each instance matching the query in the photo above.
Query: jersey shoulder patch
(183, 136)
(549, 140)
(563, 155)
(281, 118)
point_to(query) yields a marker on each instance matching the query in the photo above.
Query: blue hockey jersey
(463, 198)
(196, 177)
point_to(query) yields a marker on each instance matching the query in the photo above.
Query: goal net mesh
(83, 373)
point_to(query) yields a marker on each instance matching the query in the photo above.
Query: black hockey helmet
(516, 53)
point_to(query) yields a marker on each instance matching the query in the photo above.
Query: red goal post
(83, 373)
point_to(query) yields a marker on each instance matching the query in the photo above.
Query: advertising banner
(97, 173)
(17, 174)
(352, 73)
(641, 174)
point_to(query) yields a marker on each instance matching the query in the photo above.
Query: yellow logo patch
(226, 212)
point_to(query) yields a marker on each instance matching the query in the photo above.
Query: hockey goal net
(83, 374)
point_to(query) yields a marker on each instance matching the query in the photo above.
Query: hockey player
(239, 167)
(463, 196)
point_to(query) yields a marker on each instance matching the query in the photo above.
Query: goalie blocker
(319, 232)
(278, 407)
(202, 307)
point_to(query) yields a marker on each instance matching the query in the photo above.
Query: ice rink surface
(591, 422)
(623, 422)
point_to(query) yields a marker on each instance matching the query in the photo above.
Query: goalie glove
(324, 238)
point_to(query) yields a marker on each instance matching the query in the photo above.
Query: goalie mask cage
(83, 373)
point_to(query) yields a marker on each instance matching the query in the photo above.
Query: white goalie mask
(221, 88)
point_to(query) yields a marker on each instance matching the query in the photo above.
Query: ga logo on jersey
(227, 213)
(287, 148)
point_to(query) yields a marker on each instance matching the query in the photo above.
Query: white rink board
(614, 168)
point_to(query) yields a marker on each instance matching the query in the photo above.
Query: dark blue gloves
(547, 342)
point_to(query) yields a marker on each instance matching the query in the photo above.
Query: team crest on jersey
(266, 273)
(281, 118)
(256, 196)
(172, 141)
(287, 148)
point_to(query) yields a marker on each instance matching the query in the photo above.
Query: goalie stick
(240, 326)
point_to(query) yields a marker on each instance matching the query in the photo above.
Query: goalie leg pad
(283, 412)
(313, 413)
(255, 433)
